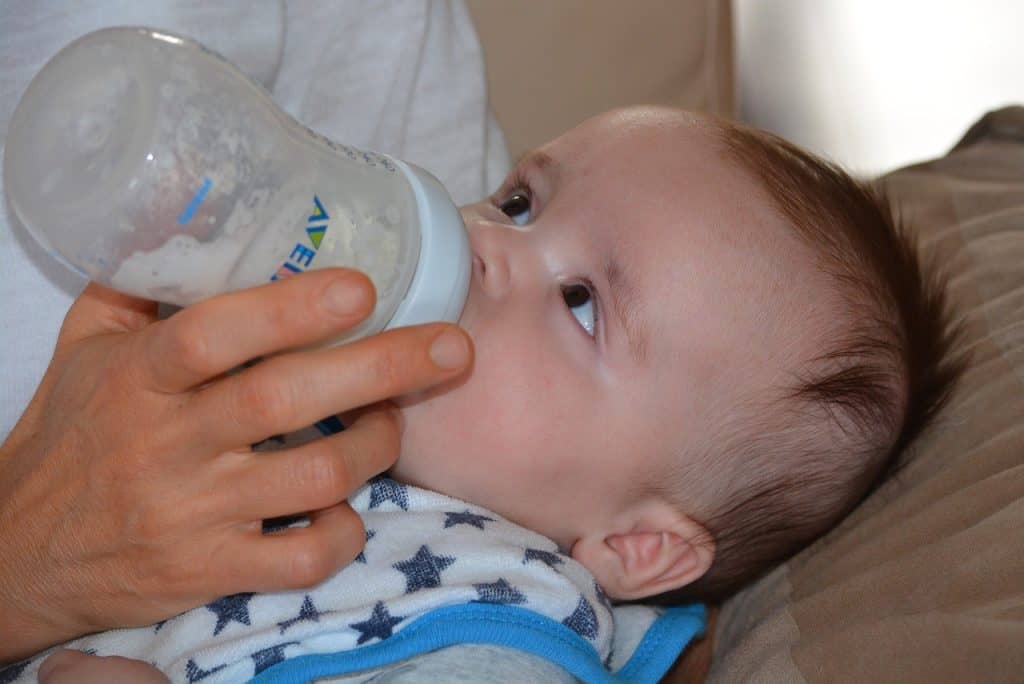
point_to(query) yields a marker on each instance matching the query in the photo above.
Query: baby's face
(629, 285)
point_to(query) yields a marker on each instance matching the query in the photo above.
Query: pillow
(552, 64)
(925, 580)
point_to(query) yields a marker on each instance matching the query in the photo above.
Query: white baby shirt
(435, 572)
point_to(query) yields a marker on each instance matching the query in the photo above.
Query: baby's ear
(664, 550)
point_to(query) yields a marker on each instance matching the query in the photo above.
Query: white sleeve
(404, 78)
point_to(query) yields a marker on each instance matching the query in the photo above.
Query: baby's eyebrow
(538, 161)
(626, 302)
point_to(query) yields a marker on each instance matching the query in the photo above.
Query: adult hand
(128, 491)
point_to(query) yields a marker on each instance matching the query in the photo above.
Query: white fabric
(405, 78)
(424, 551)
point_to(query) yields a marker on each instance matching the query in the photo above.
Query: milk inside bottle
(153, 166)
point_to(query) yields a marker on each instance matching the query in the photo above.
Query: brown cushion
(552, 64)
(924, 582)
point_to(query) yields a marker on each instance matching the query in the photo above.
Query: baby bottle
(153, 166)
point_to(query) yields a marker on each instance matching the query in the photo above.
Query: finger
(75, 667)
(319, 474)
(292, 391)
(64, 659)
(218, 334)
(297, 557)
(99, 310)
(353, 414)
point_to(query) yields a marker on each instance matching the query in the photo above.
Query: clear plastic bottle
(151, 165)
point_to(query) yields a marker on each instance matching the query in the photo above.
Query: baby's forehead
(640, 132)
(713, 261)
(668, 184)
(731, 295)
(658, 160)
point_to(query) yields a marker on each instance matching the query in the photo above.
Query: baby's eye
(580, 301)
(517, 207)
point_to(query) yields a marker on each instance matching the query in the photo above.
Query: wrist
(23, 635)
(28, 624)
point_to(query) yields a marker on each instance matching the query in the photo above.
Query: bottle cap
(441, 282)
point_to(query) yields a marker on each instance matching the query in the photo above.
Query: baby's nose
(490, 250)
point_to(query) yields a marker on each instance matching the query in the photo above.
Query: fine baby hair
(838, 429)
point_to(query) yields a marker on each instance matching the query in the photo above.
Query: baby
(697, 349)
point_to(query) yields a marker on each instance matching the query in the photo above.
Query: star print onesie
(435, 572)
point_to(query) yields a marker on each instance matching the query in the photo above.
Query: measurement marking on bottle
(200, 195)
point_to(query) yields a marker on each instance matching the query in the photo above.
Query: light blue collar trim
(504, 625)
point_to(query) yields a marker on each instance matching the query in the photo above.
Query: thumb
(100, 310)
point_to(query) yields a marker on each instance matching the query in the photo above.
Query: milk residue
(256, 209)
(181, 271)
(205, 187)
(245, 253)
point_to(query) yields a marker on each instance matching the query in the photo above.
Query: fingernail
(342, 297)
(449, 350)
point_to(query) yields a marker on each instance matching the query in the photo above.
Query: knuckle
(262, 402)
(188, 347)
(326, 477)
(386, 370)
(144, 525)
(280, 316)
(311, 564)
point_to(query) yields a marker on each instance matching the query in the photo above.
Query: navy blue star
(466, 518)
(385, 489)
(307, 612)
(379, 625)
(361, 558)
(11, 672)
(423, 571)
(583, 621)
(234, 607)
(268, 657)
(195, 673)
(602, 597)
(498, 592)
(549, 559)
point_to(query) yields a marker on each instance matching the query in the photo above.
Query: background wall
(553, 63)
(876, 83)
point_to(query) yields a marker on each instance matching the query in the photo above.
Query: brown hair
(864, 399)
